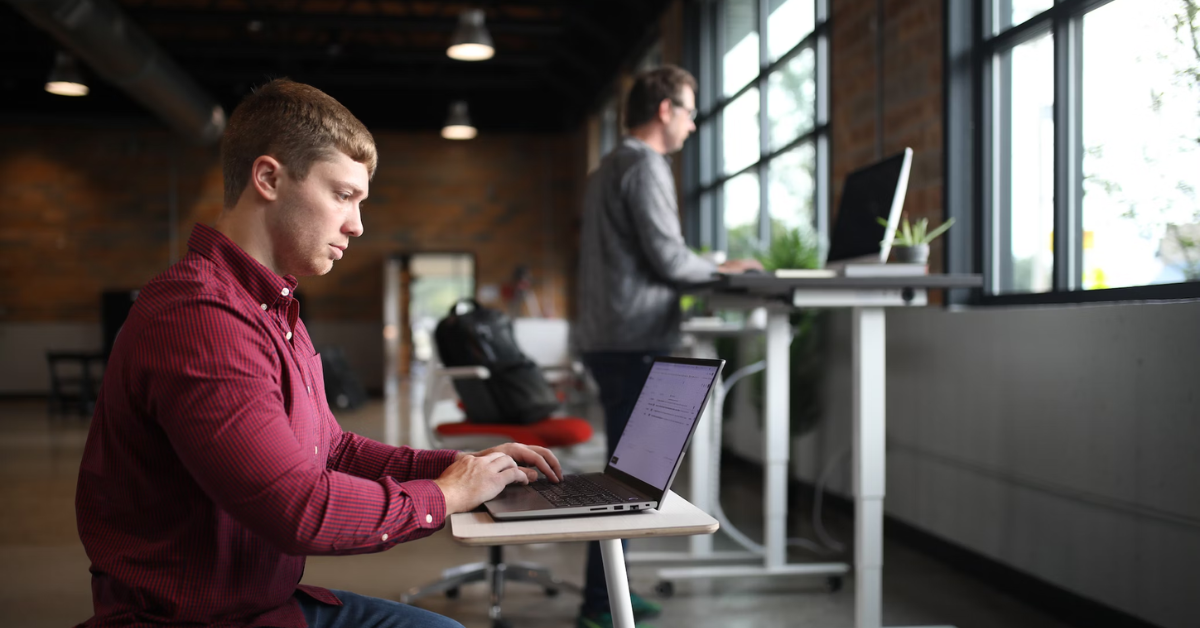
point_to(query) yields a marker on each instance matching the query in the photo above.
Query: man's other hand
(734, 266)
(474, 478)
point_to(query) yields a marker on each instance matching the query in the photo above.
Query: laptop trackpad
(518, 498)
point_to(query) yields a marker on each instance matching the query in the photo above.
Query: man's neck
(652, 136)
(246, 227)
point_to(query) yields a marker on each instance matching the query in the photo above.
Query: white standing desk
(868, 299)
(676, 517)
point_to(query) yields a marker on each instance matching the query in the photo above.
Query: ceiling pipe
(100, 35)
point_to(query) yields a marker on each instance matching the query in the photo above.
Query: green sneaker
(603, 620)
(643, 608)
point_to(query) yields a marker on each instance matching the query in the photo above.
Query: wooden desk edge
(583, 536)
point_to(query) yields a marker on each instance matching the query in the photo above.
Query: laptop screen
(662, 420)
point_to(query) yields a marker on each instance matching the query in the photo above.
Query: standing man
(213, 465)
(633, 260)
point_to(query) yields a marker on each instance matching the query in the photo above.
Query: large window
(759, 162)
(1074, 147)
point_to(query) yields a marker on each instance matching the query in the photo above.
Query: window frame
(702, 177)
(973, 165)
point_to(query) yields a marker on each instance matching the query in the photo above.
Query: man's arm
(365, 458)
(219, 403)
(650, 193)
(436, 464)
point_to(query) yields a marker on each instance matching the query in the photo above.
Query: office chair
(550, 432)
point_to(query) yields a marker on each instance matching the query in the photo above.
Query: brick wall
(84, 210)
(911, 97)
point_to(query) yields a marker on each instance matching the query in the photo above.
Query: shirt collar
(263, 285)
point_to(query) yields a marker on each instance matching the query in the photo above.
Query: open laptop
(870, 193)
(646, 458)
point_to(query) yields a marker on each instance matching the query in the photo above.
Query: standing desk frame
(868, 299)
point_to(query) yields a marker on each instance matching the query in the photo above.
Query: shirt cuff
(429, 503)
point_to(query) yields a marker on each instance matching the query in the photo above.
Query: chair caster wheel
(452, 593)
(551, 592)
(833, 584)
(665, 588)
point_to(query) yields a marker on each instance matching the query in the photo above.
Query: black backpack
(516, 392)
(343, 389)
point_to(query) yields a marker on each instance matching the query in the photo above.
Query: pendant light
(65, 78)
(458, 123)
(471, 41)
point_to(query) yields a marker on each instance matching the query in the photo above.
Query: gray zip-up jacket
(633, 258)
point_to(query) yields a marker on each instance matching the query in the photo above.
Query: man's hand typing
(475, 478)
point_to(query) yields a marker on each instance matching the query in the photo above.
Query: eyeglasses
(692, 112)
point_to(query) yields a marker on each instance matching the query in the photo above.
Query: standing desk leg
(700, 460)
(870, 429)
(618, 583)
(776, 437)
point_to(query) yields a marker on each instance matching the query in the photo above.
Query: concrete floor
(44, 579)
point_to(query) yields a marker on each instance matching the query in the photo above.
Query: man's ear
(664, 110)
(265, 176)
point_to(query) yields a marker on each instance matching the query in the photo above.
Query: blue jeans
(620, 376)
(360, 611)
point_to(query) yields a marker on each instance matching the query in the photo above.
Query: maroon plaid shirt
(214, 465)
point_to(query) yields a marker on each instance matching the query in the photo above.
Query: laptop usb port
(618, 508)
(633, 507)
(600, 508)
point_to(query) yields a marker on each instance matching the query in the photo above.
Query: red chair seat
(554, 432)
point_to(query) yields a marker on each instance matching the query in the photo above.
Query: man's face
(314, 219)
(680, 125)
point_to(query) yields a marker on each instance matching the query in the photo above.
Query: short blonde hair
(295, 123)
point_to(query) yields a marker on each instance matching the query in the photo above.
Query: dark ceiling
(384, 59)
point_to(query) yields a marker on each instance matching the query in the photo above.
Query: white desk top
(677, 517)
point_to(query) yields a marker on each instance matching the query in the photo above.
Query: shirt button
(289, 335)
(285, 292)
(264, 307)
(314, 450)
(428, 518)
(385, 537)
(310, 390)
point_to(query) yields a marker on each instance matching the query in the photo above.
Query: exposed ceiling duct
(100, 35)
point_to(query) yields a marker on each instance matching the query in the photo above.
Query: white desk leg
(776, 437)
(700, 460)
(618, 583)
(870, 429)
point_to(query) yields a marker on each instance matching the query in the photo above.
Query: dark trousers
(620, 376)
(360, 611)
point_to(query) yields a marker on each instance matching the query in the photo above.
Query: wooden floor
(44, 580)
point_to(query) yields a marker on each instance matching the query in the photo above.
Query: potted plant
(911, 245)
(790, 248)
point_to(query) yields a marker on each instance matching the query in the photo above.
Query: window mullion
(1067, 269)
(822, 183)
(961, 141)
(1001, 172)
(717, 35)
(705, 158)
(764, 129)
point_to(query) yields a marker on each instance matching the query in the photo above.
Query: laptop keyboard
(575, 490)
